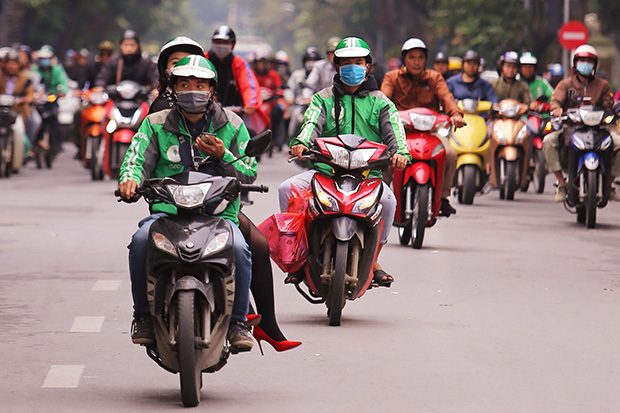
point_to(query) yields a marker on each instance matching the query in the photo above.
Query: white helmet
(585, 50)
(413, 43)
(528, 58)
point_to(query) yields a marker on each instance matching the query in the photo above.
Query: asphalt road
(509, 307)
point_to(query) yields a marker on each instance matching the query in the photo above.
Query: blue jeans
(137, 269)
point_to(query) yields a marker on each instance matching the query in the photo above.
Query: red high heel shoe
(252, 320)
(279, 346)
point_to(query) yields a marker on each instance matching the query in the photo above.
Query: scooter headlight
(422, 122)
(578, 142)
(437, 150)
(606, 143)
(608, 119)
(189, 196)
(548, 126)
(521, 135)
(111, 126)
(591, 161)
(216, 244)
(363, 204)
(499, 134)
(164, 244)
(328, 202)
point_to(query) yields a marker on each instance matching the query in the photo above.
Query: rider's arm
(488, 92)
(249, 89)
(235, 140)
(107, 73)
(387, 85)
(60, 80)
(391, 128)
(143, 154)
(314, 121)
(558, 98)
(445, 97)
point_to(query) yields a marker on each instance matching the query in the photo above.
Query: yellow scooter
(471, 144)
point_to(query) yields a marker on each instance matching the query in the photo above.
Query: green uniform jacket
(368, 113)
(154, 151)
(55, 79)
(540, 87)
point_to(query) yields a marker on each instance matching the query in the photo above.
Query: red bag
(298, 202)
(288, 244)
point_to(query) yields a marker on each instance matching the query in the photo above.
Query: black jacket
(142, 71)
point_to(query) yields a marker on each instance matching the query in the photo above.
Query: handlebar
(254, 188)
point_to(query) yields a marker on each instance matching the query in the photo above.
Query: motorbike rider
(322, 74)
(507, 86)
(13, 81)
(129, 65)
(538, 85)
(237, 84)
(297, 98)
(554, 73)
(262, 276)
(53, 76)
(353, 90)
(440, 64)
(270, 79)
(178, 139)
(415, 86)
(282, 65)
(104, 53)
(469, 84)
(570, 93)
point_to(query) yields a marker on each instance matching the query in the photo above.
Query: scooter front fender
(510, 153)
(469, 159)
(123, 135)
(421, 172)
(189, 283)
(344, 228)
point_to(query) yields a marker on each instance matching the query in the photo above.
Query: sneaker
(446, 209)
(613, 196)
(142, 331)
(239, 337)
(560, 194)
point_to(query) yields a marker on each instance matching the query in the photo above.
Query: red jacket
(246, 83)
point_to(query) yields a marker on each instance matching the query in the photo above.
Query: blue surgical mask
(585, 68)
(44, 62)
(353, 75)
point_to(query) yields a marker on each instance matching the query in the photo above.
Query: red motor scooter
(418, 187)
(346, 224)
(125, 111)
(540, 125)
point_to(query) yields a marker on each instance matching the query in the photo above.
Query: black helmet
(312, 53)
(471, 55)
(130, 35)
(441, 57)
(224, 33)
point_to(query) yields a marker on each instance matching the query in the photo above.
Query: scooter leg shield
(469, 159)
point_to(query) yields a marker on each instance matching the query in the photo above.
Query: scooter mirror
(258, 143)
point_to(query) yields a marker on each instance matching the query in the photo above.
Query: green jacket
(368, 113)
(154, 151)
(540, 87)
(55, 79)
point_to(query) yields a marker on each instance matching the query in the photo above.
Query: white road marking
(63, 377)
(87, 324)
(106, 285)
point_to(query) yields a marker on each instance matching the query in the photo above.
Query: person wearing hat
(414, 86)
(238, 85)
(507, 86)
(363, 110)
(440, 64)
(538, 85)
(468, 84)
(170, 141)
(129, 65)
(323, 71)
(105, 51)
(570, 93)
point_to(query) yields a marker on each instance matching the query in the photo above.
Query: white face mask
(221, 50)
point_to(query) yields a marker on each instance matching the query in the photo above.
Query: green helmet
(195, 65)
(352, 47)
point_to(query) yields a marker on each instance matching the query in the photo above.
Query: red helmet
(585, 50)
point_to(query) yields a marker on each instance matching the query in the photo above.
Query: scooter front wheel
(468, 190)
(421, 207)
(404, 232)
(511, 179)
(540, 172)
(591, 200)
(187, 327)
(336, 298)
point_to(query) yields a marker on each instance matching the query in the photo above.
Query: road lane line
(87, 324)
(106, 285)
(63, 377)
